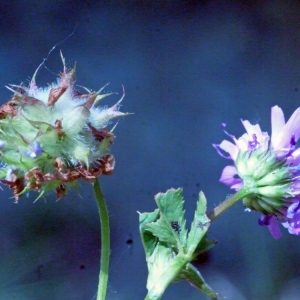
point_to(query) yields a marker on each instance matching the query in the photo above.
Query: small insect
(175, 225)
(202, 225)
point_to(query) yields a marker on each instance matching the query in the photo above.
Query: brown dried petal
(59, 129)
(108, 164)
(35, 177)
(26, 100)
(60, 191)
(90, 101)
(8, 109)
(55, 93)
(17, 185)
(101, 134)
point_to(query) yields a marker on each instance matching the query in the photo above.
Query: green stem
(105, 241)
(217, 211)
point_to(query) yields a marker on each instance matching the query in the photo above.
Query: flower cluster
(51, 137)
(268, 170)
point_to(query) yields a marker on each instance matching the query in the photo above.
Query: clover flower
(51, 137)
(268, 170)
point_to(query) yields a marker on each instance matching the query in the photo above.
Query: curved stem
(217, 211)
(105, 241)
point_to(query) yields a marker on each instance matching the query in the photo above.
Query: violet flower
(268, 170)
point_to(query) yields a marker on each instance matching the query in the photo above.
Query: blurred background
(187, 66)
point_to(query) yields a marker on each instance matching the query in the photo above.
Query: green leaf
(172, 222)
(158, 261)
(199, 226)
(148, 239)
(195, 278)
(163, 231)
(169, 247)
(203, 246)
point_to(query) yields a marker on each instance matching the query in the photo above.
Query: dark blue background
(187, 66)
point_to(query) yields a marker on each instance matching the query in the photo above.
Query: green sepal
(104, 146)
(45, 188)
(77, 149)
(50, 142)
(23, 128)
(74, 120)
(37, 112)
(20, 161)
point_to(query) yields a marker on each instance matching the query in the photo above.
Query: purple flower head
(268, 169)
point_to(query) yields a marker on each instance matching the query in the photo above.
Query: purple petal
(229, 148)
(253, 130)
(277, 122)
(294, 159)
(293, 219)
(272, 223)
(217, 147)
(274, 228)
(237, 186)
(254, 143)
(228, 178)
(283, 138)
(223, 126)
(264, 220)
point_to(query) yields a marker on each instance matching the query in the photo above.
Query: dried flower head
(268, 170)
(51, 137)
